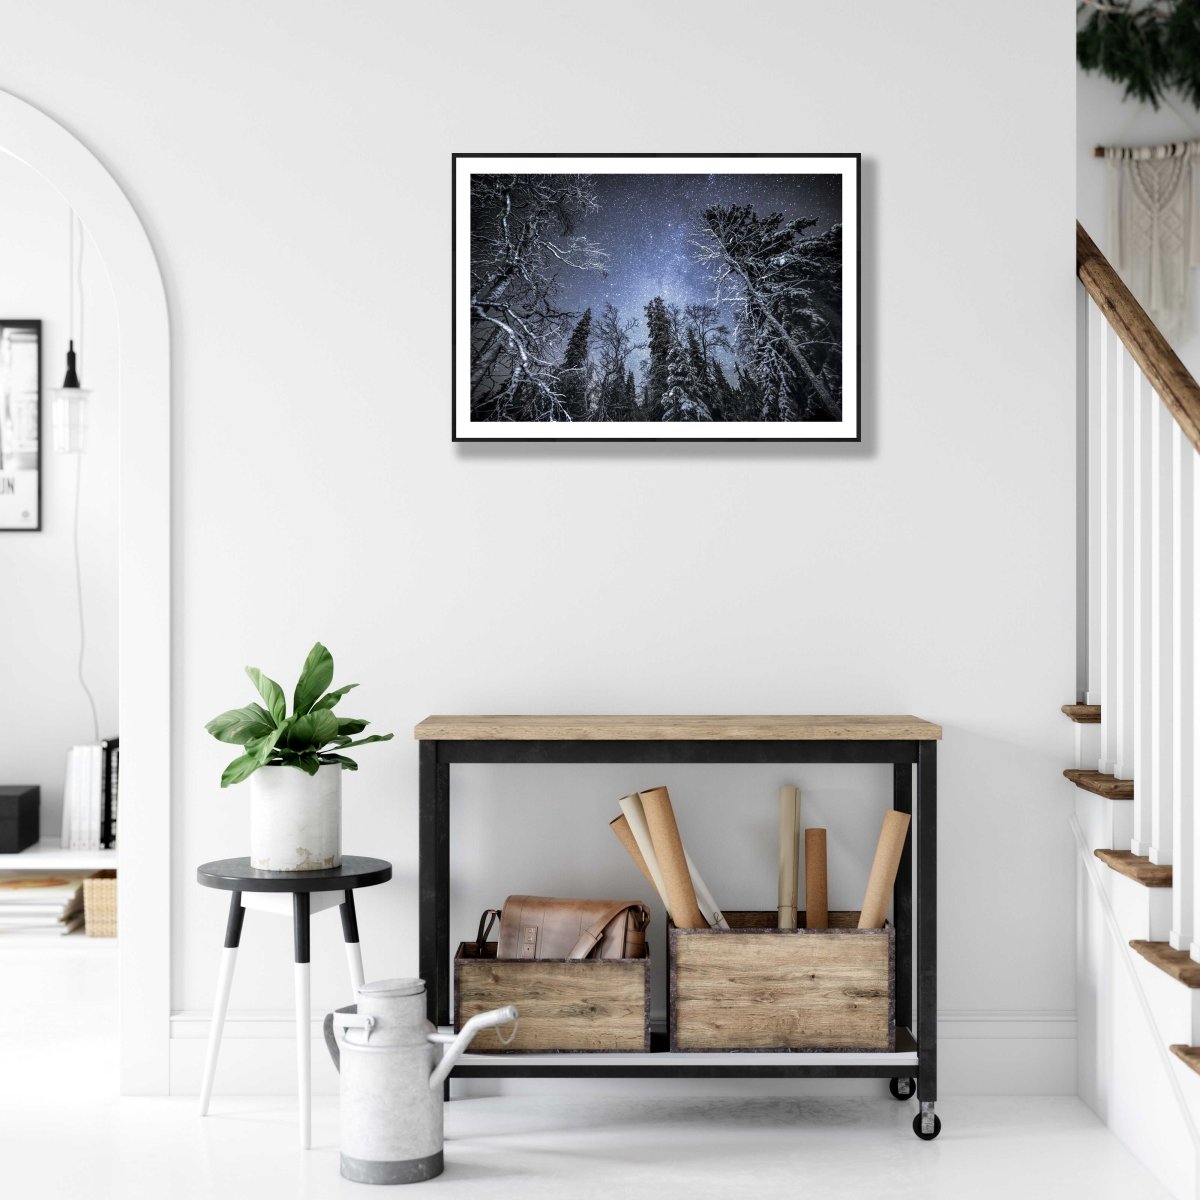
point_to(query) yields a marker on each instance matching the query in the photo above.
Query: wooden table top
(855, 728)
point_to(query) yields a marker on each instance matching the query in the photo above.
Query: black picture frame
(21, 425)
(466, 428)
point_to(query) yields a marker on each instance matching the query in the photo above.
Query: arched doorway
(144, 577)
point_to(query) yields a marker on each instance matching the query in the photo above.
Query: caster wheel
(902, 1089)
(927, 1137)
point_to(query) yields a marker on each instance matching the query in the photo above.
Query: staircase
(1135, 719)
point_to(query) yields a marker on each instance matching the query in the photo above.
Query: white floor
(64, 1136)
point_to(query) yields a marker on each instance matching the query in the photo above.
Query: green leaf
(241, 768)
(309, 763)
(263, 748)
(315, 676)
(331, 698)
(348, 764)
(310, 731)
(351, 725)
(375, 737)
(241, 725)
(271, 692)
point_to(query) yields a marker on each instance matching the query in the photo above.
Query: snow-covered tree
(658, 325)
(613, 347)
(572, 376)
(683, 401)
(786, 290)
(523, 234)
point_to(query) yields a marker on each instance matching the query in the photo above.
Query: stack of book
(41, 902)
(90, 792)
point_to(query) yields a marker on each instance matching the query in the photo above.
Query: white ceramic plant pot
(296, 819)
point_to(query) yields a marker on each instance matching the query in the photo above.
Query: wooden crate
(593, 1005)
(756, 987)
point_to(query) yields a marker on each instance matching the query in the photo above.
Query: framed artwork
(20, 425)
(656, 297)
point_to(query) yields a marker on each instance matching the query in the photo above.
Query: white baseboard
(1017, 1052)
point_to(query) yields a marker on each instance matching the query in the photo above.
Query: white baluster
(1095, 344)
(1126, 412)
(1159, 759)
(1182, 725)
(1109, 523)
(1145, 403)
(1191, 673)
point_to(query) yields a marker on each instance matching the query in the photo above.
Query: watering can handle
(343, 1017)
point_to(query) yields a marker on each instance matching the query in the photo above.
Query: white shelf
(61, 941)
(48, 855)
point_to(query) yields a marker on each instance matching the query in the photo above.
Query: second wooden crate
(756, 987)
(587, 1005)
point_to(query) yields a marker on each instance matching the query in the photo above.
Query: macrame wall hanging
(1154, 225)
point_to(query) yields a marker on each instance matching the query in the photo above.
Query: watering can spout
(454, 1051)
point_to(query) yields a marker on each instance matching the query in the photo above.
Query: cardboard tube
(668, 847)
(635, 819)
(620, 826)
(816, 880)
(704, 898)
(789, 854)
(883, 870)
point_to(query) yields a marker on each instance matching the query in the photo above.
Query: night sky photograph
(672, 297)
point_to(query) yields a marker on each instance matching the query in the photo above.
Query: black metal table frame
(436, 759)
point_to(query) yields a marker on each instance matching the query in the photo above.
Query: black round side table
(310, 891)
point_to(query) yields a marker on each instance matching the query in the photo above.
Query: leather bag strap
(485, 927)
(594, 932)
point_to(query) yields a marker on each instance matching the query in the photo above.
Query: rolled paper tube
(816, 880)
(883, 870)
(704, 898)
(789, 853)
(620, 826)
(672, 862)
(635, 818)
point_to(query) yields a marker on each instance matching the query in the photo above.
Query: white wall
(43, 710)
(291, 162)
(1104, 118)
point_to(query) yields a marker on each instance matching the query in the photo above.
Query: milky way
(645, 223)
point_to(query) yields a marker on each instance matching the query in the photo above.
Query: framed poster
(20, 425)
(656, 297)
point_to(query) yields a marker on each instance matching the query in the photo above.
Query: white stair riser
(1107, 824)
(1143, 913)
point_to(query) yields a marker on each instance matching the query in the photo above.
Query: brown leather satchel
(542, 927)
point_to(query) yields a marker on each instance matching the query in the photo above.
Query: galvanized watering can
(392, 1066)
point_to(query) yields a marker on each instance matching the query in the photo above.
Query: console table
(901, 742)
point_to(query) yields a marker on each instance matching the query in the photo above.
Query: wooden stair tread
(1108, 786)
(1136, 867)
(1176, 963)
(1189, 1055)
(1083, 714)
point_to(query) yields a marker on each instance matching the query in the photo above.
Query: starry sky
(644, 223)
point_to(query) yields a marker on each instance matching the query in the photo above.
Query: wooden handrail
(1173, 382)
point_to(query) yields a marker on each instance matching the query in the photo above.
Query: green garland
(1149, 47)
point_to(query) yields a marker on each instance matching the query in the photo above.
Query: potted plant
(294, 764)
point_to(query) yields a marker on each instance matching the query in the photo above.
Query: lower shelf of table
(663, 1063)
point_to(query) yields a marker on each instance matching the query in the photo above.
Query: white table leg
(220, 1007)
(233, 935)
(304, 1052)
(354, 960)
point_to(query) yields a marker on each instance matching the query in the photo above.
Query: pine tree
(658, 323)
(572, 376)
(631, 403)
(682, 401)
(789, 306)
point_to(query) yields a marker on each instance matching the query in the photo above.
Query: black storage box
(19, 816)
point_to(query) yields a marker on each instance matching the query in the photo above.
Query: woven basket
(100, 904)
